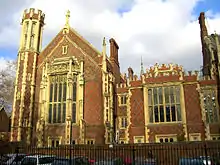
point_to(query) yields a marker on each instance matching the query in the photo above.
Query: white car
(38, 160)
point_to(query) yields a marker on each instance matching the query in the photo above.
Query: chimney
(203, 33)
(130, 73)
(113, 50)
(203, 28)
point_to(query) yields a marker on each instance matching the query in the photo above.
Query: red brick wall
(193, 110)
(137, 114)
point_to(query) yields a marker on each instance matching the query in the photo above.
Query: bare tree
(7, 78)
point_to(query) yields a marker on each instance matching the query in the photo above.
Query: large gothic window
(164, 104)
(57, 99)
(210, 106)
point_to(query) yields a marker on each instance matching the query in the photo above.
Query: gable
(73, 36)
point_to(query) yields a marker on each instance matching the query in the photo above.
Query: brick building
(71, 92)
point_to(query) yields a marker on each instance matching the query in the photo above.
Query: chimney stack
(203, 28)
(113, 50)
(130, 73)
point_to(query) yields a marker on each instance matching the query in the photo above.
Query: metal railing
(163, 154)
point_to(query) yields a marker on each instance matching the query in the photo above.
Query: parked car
(38, 160)
(114, 161)
(12, 159)
(191, 161)
(77, 160)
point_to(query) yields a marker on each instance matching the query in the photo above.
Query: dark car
(78, 160)
(12, 159)
(114, 161)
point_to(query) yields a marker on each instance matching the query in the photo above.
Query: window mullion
(152, 96)
(164, 105)
(158, 104)
(175, 103)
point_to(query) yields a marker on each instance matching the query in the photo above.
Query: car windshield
(46, 160)
(18, 158)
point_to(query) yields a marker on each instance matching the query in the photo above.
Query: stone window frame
(215, 136)
(162, 138)
(194, 136)
(64, 49)
(55, 139)
(122, 99)
(90, 141)
(32, 37)
(122, 141)
(212, 92)
(137, 138)
(170, 100)
(123, 122)
(53, 70)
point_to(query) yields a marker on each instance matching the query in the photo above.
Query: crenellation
(33, 13)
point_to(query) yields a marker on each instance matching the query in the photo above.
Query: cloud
(161, 31)
(3, 63)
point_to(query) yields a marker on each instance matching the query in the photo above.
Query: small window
(171, 140)
(161, 140)
(65, 49)
(218, 138)
(90, 142)
(122, 142)
(166, 140)
(213, 138)
(73, 142)
(123, 100)
(123, 122)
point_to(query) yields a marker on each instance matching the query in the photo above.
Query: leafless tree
(7, 78)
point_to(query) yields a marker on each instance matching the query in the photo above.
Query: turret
(23, 104)
(32, 30)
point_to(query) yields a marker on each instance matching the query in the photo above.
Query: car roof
(40, 156)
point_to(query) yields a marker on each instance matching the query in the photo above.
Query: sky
(159, 31)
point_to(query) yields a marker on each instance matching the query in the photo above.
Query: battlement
(33, 14)
(122, 85)
(166, 72)
(191, 73)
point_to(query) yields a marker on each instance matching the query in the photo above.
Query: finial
(104, 43)
(67, 17)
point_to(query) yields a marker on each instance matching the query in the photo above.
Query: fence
(164, 154)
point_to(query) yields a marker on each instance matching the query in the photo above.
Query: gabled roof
(74, 36)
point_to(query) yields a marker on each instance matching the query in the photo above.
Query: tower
(23, 104)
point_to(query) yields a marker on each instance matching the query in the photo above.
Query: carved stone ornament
(29, 77)
(18, 97)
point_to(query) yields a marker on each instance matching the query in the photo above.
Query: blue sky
(205, 5)
(137, 25)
